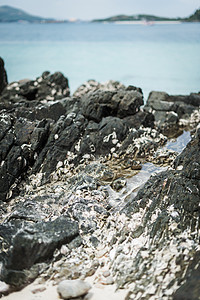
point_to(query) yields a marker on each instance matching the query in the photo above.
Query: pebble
(101, 253)
(106, 273)
(90, 272)
(108, 280)
(38, 290)
(72, 288)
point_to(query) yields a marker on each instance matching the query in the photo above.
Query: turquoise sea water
(159, 57)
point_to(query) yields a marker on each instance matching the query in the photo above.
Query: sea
(161, 57)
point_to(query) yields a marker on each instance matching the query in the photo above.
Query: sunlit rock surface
(91, 184)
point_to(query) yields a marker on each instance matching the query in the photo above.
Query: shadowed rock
(28, 244)
(168, 110)
(3, 76)
(169, 203)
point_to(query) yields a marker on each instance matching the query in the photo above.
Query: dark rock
(129, 102)
(100, 138)
(190, 290)
(63, 139)
(140, 118)
(181, 186)
(100, 104)
(35, 110)
(141, 143)
(189, 159)
(52, 87)
(170, 203)
(51, 110)
(169, 109)
(3, 76)
(21, 141)
(33, 243)
(87, 212)
(47, 87)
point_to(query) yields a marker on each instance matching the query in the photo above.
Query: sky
(93, 9)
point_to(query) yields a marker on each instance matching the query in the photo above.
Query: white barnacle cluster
(5, 118)
(34, 182)
(64, 168)
(112, 136)
(78, 145)
(193, 119)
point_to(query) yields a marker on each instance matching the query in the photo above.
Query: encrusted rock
(67, 167)
(26, 244)
(49, 87)
(119, 103)
(165, 230)
(92, 86)
(168, 110)
(20, 143)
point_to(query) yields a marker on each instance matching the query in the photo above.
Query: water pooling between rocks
(130, 185)
(77, 195)
(180, 143)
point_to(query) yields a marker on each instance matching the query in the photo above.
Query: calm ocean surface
(159, 57)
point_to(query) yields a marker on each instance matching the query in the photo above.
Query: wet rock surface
(77, 195)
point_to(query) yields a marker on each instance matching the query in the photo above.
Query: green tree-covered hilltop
(195, 17)
(149, 18)
(11, 14)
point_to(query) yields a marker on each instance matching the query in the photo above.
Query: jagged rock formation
(169, 110)
(68, 187)
(168, 233)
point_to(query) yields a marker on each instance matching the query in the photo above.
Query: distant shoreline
(144, 22)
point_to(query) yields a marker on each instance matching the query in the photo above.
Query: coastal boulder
(32, 243)
(47, 87)
(93, 86)
(121, 103)
(3, 76)
(169, 110)
(20, 143)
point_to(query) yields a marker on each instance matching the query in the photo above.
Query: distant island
(11, 14)
(150, 18)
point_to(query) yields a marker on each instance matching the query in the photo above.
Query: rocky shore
(91, 194)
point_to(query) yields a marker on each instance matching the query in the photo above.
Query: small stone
(72, 288)
(107, 281)
(90, 272)
(118, 184)
(64, 250)
(95, 263)
(106, 273)
(102, 253)
(39, 290)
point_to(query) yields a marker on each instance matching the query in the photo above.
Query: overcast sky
(91, 9)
